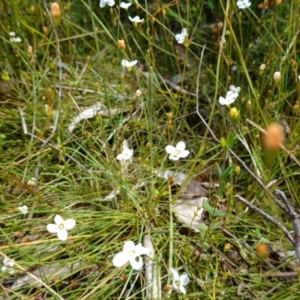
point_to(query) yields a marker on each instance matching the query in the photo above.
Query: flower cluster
(231, 95)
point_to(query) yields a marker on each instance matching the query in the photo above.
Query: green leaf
(219, 172)
(230, 141)
(219, 213)
(216, 226)
(207, 207)
(202, 227)
(226, 172)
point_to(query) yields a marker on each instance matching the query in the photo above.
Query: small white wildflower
(125, 5)
(242, 4)
(128, 64)
(179, 282)
(231, 95)
(126, 153)
(23, 209)
(131, 253)
(136, 19)
(108, 2)
(178, 151)
(299, 78)
(180, 37)
(8, 265)
(61, 226)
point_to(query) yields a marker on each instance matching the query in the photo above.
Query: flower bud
(121, 44)
(55, 10)
(276, 76)
(233, 114)
(273, 137)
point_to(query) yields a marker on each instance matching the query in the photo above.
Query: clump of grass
(66, 71)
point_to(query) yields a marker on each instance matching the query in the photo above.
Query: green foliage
(56, 72)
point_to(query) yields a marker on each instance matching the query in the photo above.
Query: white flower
(125, 5)
(61, 226)
(136, 19)
(8, 265)
(178, 151)
(108, 2)
(128, 64)
(179, 282)
(126, 153)
(23, 209)
(131, 253)
(231, 95)
(180, 37)
(242, 4)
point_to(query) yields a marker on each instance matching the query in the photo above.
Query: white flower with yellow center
(131, 253)
(61, 227)
(178, 151)
(179, 282)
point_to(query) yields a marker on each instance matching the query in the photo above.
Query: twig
(295, 221)
(268, 217)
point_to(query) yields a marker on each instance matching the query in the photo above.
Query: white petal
(58, 219)
(62, 234)
(182, 289)
(170, 149)
(173, 157)
(184, 153)
(6, 261)
(4, 268)
(111, 2)
(184, 32)
(180, 146)
(174, 273)
(70, 223)
(222, 101)
(128, 246)
(184, 280)
(52, 228)
(102, 3)
(140, 250)
(120, 157)
(179, 38)
(125, 5)
(120, 259)
(136, 263)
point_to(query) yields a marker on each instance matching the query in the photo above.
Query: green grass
(77, 63)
